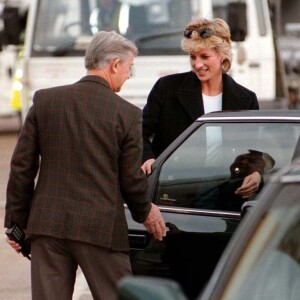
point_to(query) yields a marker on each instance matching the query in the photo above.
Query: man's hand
(14, 245)
(250, 185)
(147, 166)
(155, 223)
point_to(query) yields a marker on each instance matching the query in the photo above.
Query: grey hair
(106, 46)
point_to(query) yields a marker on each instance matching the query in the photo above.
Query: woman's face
(207, 64)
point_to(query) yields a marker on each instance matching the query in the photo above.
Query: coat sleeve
(151, 114)
(24, 168)
(255, 104)
(133, 181)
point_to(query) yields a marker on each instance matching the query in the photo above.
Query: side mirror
(12, 27)
(148, 288)
(237, 21)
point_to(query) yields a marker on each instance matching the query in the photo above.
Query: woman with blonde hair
(177, 100)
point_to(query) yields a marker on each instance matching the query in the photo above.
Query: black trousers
(54, 263)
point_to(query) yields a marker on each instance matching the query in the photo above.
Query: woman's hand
(147, 166)
(250, 185)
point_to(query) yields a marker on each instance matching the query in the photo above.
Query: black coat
(175, 102)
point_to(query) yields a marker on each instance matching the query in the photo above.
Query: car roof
(252, 114)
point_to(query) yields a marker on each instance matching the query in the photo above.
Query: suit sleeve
(24, 168)
(133, 181)
(151, 114)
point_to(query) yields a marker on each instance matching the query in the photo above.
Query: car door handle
(137, 241)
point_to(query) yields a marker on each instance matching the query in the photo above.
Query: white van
(13, 17)
(58, 32)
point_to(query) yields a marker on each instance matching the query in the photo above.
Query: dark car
(193, 183)
(262, 260)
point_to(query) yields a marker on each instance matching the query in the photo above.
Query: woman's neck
(212, 87)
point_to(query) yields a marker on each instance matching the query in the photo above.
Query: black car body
(187, 181)
(262, 260)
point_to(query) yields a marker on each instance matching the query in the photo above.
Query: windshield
(156, 26)
(65, 27)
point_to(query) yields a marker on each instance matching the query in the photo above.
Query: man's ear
(114, 64)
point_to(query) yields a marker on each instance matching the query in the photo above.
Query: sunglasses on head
(203, 32)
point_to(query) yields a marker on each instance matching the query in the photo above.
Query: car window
(270, 265)
(203, 172)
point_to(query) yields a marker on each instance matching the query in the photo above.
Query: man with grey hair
(85, 142)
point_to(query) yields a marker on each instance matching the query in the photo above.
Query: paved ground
(14, 268)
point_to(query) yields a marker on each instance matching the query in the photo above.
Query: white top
(212, 103)
(213, 133)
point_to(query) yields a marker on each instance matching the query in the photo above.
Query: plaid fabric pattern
(82, 144)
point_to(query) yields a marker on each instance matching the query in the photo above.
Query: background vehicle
(285, 20)
(262, 259)
(13, 16)
(58, 32)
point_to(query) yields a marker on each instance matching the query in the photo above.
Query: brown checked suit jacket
(77, 160)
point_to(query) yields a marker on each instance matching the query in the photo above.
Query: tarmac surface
(14, 268)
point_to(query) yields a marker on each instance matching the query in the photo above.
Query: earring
(222, 65)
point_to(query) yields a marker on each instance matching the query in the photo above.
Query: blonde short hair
(216, 36)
